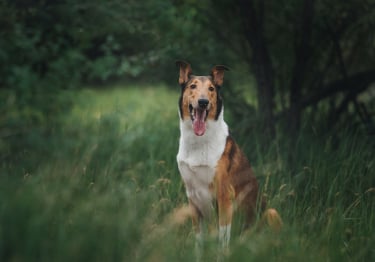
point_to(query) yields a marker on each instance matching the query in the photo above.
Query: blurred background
(292, 63)
(88, 94)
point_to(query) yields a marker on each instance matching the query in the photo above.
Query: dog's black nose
(203, 103)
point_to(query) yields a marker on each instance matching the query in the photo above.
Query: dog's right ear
(185, 71)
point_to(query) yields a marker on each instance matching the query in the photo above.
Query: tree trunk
(260, 61)
(302, 53)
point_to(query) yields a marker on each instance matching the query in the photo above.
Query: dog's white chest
(197, 159)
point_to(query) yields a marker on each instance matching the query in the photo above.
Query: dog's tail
(272, 219)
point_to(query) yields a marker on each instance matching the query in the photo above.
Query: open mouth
(198, 117)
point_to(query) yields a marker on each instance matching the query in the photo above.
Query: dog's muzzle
(199, 115)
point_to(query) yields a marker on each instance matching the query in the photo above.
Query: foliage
(90, 174)
(51, 47)
(48, 46)
(302, 54)
(108, 185)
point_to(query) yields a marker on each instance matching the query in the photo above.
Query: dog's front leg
(225, 212)
(196, 218)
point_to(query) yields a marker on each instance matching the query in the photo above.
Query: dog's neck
(204, 150)
(197, 159)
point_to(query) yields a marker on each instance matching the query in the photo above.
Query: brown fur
(236, 181)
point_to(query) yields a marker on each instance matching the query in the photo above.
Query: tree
(301, 53)
(48, 46)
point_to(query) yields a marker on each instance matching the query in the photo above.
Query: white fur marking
(224, 235)
(197, 159)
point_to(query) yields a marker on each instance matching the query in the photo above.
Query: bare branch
(356, 83)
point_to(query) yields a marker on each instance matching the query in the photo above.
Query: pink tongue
(199, 124)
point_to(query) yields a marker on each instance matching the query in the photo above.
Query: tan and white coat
(211, 164)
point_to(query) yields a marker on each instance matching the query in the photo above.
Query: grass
(106, 185)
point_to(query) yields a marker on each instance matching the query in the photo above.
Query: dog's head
(200, 96)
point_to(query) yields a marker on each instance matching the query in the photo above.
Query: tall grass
(107, 185)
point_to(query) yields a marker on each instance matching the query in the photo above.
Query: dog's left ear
(217, 74)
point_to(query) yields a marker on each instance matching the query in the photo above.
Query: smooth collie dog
(211, 164)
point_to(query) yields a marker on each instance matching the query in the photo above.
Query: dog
(212, 166)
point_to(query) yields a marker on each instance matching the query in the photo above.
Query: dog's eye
(211, 88)
(193, 86)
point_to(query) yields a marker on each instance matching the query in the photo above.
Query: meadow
(105, 187)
